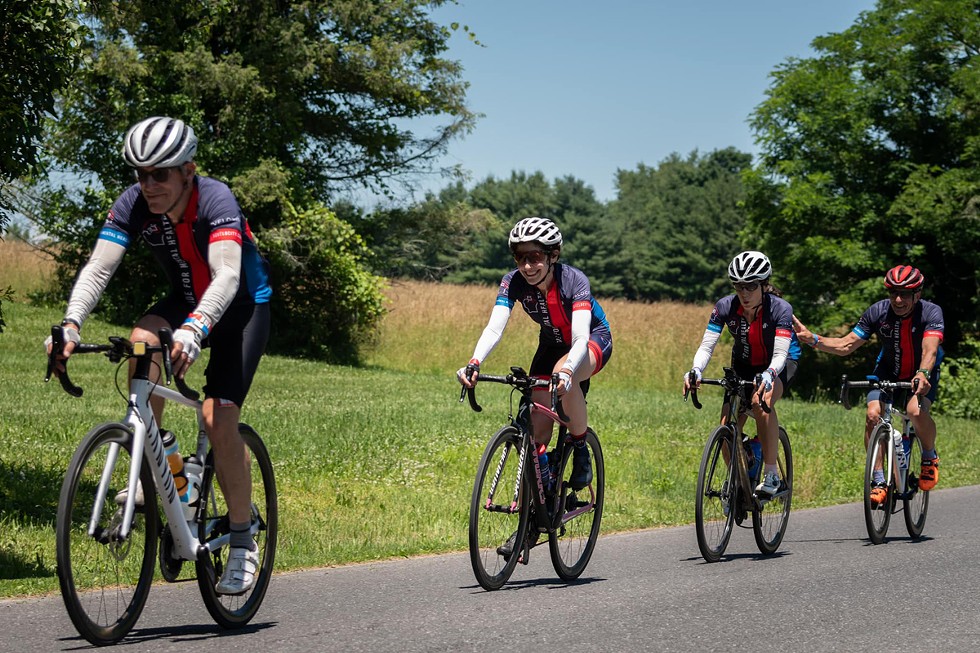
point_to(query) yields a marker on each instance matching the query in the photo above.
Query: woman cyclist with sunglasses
(762, 324)
(575, 341)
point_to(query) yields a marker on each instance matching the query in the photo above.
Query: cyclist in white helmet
(219, 298)
(575, 340)
(762, 324)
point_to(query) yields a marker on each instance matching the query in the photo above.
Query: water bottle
(194, 470)
(545, 469)
(900, 455)
(176, 464)
(755, 458)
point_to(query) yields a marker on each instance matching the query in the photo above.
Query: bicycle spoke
(715, 503)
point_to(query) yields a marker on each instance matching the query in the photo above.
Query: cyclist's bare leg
(872, 419)
(146, 331)
(767, 424)
(573, 401)
(922, 420)
(230, 457)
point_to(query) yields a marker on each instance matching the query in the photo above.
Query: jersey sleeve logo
(226, 234)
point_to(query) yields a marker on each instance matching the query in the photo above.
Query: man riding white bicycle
(219, 298)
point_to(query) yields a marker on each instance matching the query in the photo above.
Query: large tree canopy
(870, 154)
(291, 100)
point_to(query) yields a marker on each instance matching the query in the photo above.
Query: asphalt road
(827, 589)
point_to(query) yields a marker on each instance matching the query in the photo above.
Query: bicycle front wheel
(769, 523)
(104, 576)
(715, 506)
(572, 543)
(496, 517)
(917, 504)
(234, 611)
(877, 515)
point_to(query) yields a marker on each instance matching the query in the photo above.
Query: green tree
(869, 158)
(39, 42)
(292, 101)
(673, 229)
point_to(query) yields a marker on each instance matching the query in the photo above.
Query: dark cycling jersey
(182, 250)
(570, 291)
(754, 342)
(900, 337)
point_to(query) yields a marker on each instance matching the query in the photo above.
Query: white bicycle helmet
(159, 142)
(535, 230)
(749, 266)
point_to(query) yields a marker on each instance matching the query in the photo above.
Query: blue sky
(583, 88)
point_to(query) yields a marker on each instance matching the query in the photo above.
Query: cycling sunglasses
(160, 175)
(537, 257)
(747, 287)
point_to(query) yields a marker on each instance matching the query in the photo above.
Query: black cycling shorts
(237, 342)
(786, 376)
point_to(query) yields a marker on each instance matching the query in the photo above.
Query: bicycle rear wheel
(494, 514)
(917, 505)
(877, 516)
(104, 578)
(715, 505)
(573, 542)
(769, 523)
(234, 611)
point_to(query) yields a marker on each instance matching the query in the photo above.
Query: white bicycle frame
(892, 471)
(148, 446)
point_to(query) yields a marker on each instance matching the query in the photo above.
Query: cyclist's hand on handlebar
(920, 384)
(187, 347)
(467, 376)
(696, 373)
(564, 381)
(70, 337)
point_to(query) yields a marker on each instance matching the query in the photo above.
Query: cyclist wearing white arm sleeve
(219, 298)
(762, 324)
(574, 342)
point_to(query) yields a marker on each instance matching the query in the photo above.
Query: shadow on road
(190, 633)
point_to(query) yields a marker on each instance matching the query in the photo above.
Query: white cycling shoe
(123, 493)
(240, 570)
(769, 485)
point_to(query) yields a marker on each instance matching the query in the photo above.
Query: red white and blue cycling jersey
(212, 215)
(571, 291)
(901, 337)
(754, 341)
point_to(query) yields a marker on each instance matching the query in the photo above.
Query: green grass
(378, 462)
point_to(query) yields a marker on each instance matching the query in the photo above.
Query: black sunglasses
(534, 258)
(904, 294)
(160, 175)
(747, 287)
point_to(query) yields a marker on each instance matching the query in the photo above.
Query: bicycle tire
(572, 543)
(877, 517)
(715, 502)
(916, 506)
(104, 583)
(769, 524)
(493, 517)
(234, 611)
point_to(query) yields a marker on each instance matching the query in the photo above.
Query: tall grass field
(378, 461)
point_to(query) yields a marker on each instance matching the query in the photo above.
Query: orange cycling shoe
(928, 474)
(879, 494)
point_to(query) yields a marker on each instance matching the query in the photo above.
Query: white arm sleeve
(581, 329)
(703, 355)
(93, 279)
(225, 261)
(492, 332)
(780, 350)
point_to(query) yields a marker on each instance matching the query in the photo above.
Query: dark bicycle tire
(877, 517)
(492, 520)
(916, 506)
(716, 486)
(104, 583)
(769, 523)
(573, 542)
(234, 611)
